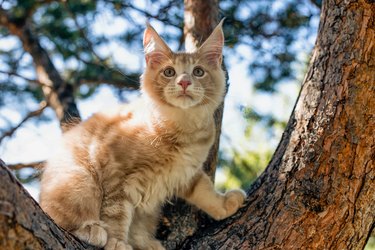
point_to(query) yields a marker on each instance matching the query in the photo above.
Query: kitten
(114, 171)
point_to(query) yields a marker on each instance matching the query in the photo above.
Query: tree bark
(23, 224)
(181, 220)
(59, 95)
(318, 191)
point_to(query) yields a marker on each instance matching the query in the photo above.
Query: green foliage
(268, 121)
(370, 244)
(270, 29)
(243, 168)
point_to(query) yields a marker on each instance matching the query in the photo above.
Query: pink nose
(184, 84)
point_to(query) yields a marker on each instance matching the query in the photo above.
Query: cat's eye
(169, 72)
(198, 71)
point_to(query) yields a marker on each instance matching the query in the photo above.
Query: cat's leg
(72, 198)
(117, 212)
(93, 232)
(143, 229)
(219, 206)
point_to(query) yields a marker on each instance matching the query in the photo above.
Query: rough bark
(59, 95)
(181, 220)
(318, 191)
(23, 225)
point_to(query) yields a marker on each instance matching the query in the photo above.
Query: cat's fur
(113, 172)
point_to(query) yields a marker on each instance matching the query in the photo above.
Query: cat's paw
(92, 232)
(233, 200)
(116, 244)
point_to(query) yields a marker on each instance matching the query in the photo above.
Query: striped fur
(113, 172)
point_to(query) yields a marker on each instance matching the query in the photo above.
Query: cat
(113, 172)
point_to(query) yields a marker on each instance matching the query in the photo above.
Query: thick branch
(22, 222)
(31, 114)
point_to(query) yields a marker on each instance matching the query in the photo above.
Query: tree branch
(59, 94)
(34, 113)
(38, 165)
(89, 44)
(35, 81)
(106, 74)
(109, 75)
(110, 81)
(146, 13)
(23, 223)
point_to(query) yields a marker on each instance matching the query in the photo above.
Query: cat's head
(184, 80)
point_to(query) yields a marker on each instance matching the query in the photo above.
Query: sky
(35, 141)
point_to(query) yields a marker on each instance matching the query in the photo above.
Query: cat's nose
(184, 84)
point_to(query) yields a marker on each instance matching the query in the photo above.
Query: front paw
(92, 232)
(116, 244)
(233, 200)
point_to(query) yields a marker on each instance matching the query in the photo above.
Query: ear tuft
(212, 48)
(155, 49)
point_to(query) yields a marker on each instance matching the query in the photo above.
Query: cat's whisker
(211, 100)
(143, 160)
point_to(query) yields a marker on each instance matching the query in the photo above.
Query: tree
(318, 190)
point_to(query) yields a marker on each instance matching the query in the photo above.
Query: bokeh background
(96, 46)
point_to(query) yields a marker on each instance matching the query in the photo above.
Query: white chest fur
(177, 175)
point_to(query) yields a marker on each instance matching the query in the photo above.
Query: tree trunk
(181, 220)
(318, 191)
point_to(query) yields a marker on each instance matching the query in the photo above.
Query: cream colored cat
(113, 172)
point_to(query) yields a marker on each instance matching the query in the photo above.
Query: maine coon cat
(113, 172)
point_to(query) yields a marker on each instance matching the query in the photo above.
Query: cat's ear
(212, 48)
(155, 49)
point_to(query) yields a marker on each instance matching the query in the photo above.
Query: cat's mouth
(185, 94)
(183, 99)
